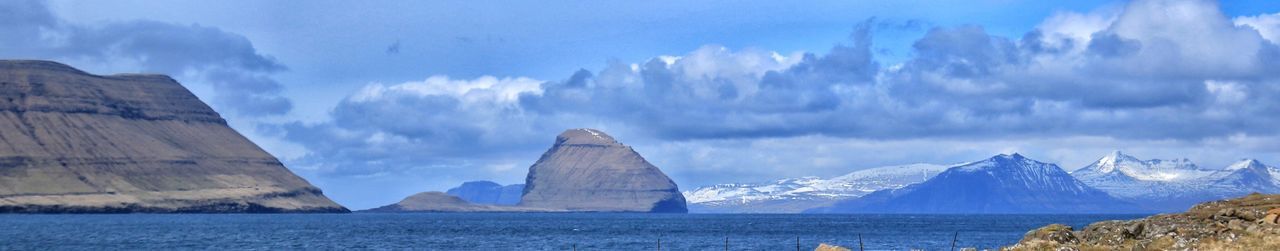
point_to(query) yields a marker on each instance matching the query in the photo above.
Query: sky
(375, 100)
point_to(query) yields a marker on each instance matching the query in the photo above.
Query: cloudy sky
(373, 101)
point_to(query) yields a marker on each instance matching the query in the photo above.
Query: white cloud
(485, 89)
(1266, 24)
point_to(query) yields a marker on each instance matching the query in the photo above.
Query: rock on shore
(73, 142)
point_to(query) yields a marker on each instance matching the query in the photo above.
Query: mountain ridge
(1005, 183)
(794, 195)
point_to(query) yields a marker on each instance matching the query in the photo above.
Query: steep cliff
(587, 170)
(73, 142)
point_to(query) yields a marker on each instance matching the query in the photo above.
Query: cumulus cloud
(437, 121)
(1152, 71)
(238, 74)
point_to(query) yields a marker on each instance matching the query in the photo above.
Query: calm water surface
(519, 231)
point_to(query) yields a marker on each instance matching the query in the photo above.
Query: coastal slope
(1245, 223)
(74, 142)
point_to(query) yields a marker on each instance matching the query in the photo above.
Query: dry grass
(1252, 241)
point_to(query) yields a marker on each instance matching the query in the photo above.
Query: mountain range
(796, 195)
(1174, 185)
(1129, 184)
(1006, 183)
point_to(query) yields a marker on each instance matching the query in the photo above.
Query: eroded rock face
(587, 170)
(73, 142)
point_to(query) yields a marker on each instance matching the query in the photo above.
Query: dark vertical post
(860, 242)
(953, 241)
(575, 247)
(659, 243)
(797, 243)
(726, 243)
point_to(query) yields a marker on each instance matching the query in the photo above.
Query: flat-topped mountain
(488, 192)
(74, 142)
(1001, 184)
(587, 170)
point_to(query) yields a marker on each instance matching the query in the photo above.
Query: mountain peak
(1112, 162)
(1003, 161)
(587, 170)
(1013, 156)
(585, 136)
(1246, 164)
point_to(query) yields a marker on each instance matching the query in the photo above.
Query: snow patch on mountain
(796, 194)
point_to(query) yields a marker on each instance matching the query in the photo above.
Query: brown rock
(74, 142)
(1269, 219)
(1237, 225)
(1055, 233)
(1215, 225)
(829, 247)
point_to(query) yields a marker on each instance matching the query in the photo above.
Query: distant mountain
(587, 170)
(1244, 177)
(798, 194)
(1120, 164)
(488, 193)
(437, 202)
(1174, 185)
(1001, 184)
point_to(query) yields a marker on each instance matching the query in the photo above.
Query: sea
(521, 231)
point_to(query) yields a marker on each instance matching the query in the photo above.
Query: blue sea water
(490, 231)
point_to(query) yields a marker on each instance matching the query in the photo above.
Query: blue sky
(373, 101)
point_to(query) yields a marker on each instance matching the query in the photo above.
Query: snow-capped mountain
(1128, 177)
(798, 194)
(1245, 176)
(1118, 163)
(1001, 184)
(1175, 185)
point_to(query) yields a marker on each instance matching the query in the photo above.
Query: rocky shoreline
(1246, 223)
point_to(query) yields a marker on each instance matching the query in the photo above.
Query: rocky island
(74, 142)
(1246, 223)
(585, 170)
